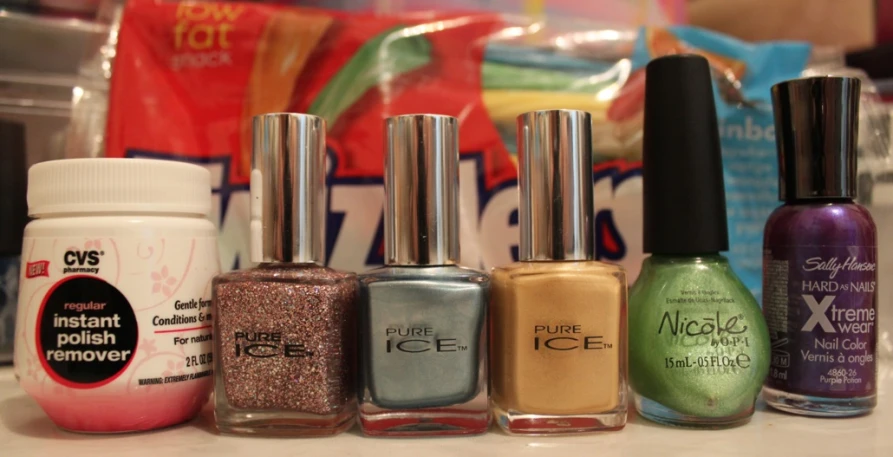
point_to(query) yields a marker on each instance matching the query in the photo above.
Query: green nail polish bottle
(698, 344)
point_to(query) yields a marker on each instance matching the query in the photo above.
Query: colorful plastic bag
(188, 77)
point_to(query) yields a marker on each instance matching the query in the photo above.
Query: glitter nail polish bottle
(422, 318)
(286, 330)
(698, 344)
(558, 317)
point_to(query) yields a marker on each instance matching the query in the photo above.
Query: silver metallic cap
(555, 177)
(288, 188)
(421, 183)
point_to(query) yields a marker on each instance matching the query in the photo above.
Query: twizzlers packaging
(188, 77)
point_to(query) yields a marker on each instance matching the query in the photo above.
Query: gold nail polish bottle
(558, 318)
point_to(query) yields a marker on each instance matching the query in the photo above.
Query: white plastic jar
(114, 329)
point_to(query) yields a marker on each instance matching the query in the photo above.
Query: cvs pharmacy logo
(81, 258)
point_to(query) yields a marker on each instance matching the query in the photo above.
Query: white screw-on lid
(118, 185)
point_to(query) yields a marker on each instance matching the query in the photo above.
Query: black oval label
(86, 332)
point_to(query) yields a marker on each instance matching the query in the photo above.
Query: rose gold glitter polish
(286, 330)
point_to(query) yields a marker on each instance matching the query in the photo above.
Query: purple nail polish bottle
(820, 257)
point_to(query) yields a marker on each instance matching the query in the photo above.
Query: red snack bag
(188, 77)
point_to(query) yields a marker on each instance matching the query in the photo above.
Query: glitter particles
(286, 340)
(286, 330)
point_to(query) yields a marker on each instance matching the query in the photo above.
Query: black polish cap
(13, 187)
(684, 195)
(816, 131)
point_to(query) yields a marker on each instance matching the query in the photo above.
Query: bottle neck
(287, 265)
(443, 263)
(688, 259)
(819, 201)
(567, 261)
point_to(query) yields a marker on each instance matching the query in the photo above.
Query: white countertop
(26, 432)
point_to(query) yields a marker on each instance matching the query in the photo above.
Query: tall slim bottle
(820, 257)
(699, 348)
(422, 317)
(285, 331)
(558, 317)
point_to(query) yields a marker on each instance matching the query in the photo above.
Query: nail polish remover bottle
(423, 318)
(285, 330)
(820, 257)
(699, 348)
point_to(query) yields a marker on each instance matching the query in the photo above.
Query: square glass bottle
(285, 331)
(558, 318)
(423, 364)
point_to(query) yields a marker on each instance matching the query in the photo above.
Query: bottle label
(101, 318)
(709, 342)
(820, 304)
(264, 345)
(562, 337)
(417, 339)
